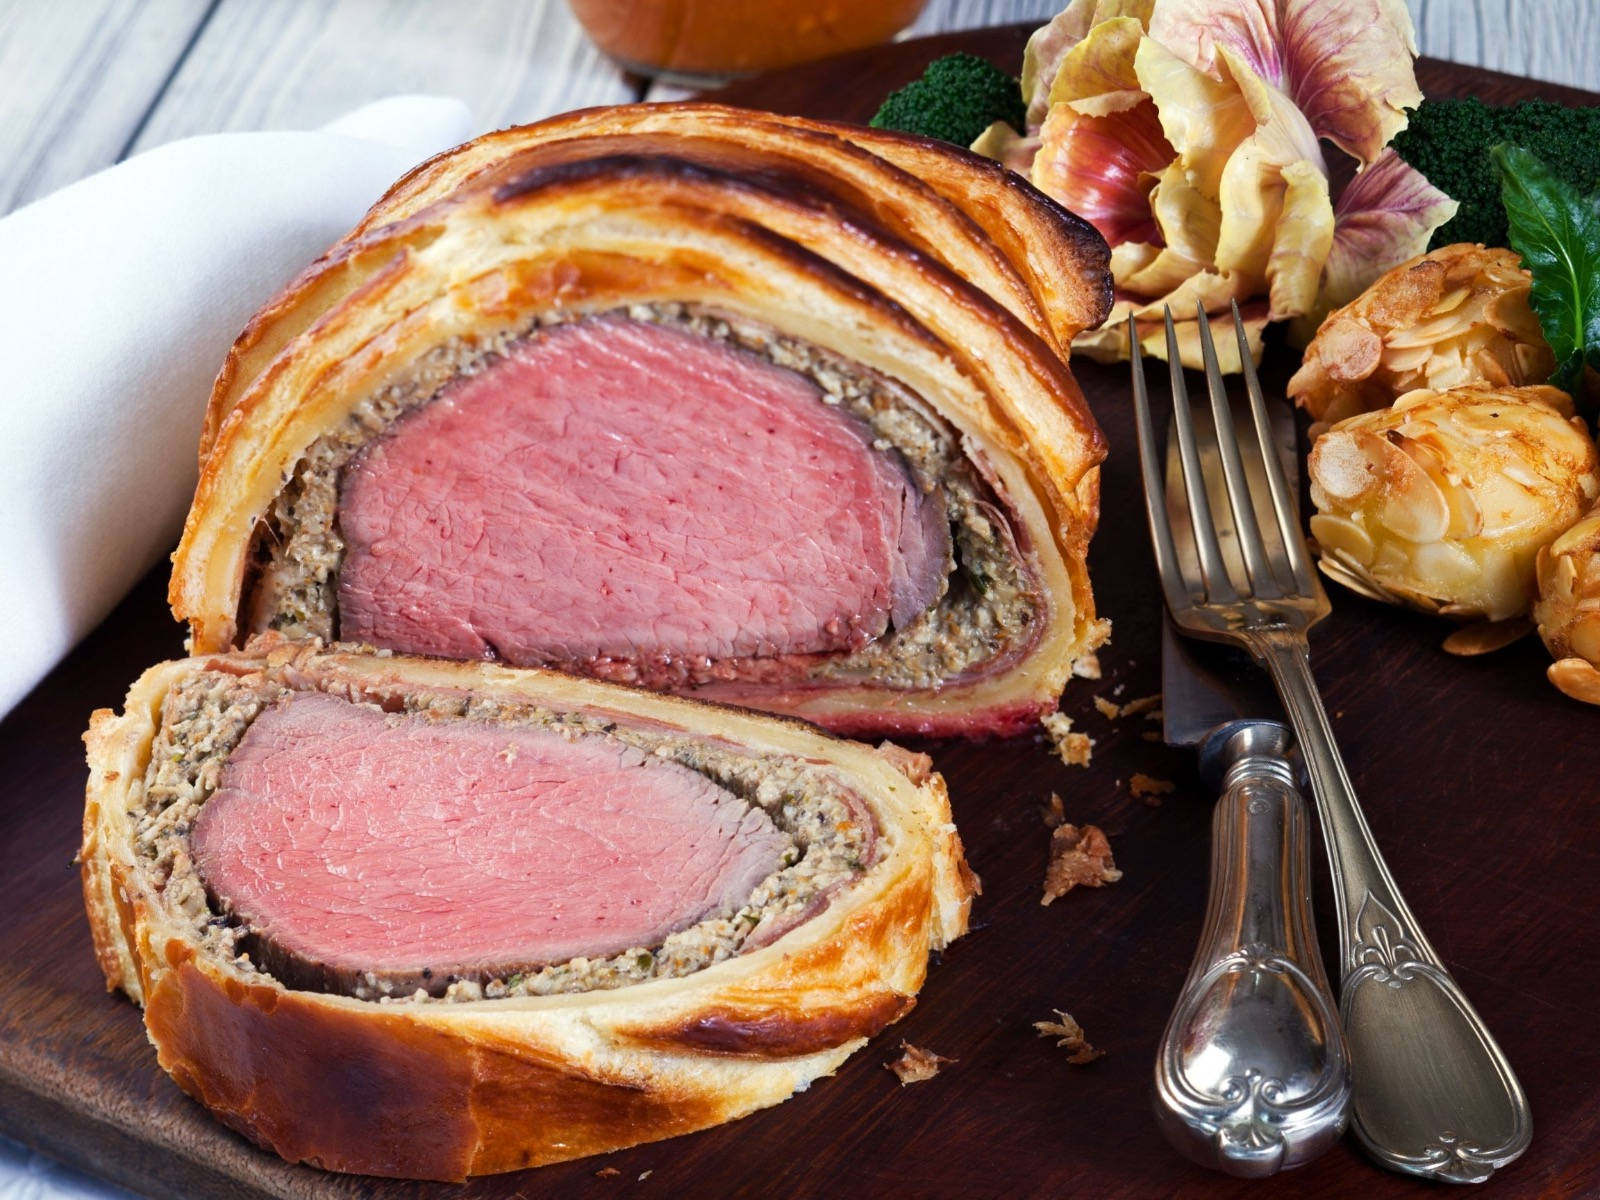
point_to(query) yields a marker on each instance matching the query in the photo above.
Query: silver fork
(1434, 1095)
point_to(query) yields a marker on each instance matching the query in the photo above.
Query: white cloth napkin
(119, 296)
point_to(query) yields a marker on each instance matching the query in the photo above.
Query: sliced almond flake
(1069, 1035)
(1576, 677)
(915, 1065)
(1485, 637)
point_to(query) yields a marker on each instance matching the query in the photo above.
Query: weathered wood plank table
(1477, 776)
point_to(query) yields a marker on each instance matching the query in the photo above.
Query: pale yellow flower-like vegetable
(1459, 315)
(1568, 609)
(1443, 501)
(1192, 135)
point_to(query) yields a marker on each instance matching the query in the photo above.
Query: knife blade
(1206, 685)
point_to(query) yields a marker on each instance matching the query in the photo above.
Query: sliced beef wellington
(424, 918)
(754, 409)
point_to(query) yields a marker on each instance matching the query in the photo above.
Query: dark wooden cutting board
(1479, 779)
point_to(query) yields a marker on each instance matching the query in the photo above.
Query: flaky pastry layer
(444, 1091)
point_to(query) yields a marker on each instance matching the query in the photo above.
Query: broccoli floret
(1449, 142)
(957, 98)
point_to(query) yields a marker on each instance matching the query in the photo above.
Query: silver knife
(1252, 1076)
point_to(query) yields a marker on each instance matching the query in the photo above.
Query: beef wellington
(429, 918)
(743, 407)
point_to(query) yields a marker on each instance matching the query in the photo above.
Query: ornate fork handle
(1252, 1076)
(1434, 1095)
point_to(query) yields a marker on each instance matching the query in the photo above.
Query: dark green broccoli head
(957, 98)
(1449, 142)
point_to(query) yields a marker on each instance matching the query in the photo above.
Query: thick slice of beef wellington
(749, 408)
(431, 918)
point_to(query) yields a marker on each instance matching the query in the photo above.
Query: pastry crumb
(1148, 705)
(1078, 750)
(1149, 789)
(1144, 704)
(1099, 634)
(1069, 1035)
(1074, 749)
(1054, 813)
(1078, 857)
(1087, 667)
(918, 768)
(915, 1064)
(607, 1173)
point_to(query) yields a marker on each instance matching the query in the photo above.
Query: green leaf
(1557, 232)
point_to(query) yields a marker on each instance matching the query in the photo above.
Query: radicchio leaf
(1007, 147)
(1347, 65)
(1277, 215)
(1188, 222)
(1103, 168)
(1301, 240)
(1097, 75)
(1203, 118)
(1109, 343)
(1383, 217)
(1041, 60)
(1050, 45)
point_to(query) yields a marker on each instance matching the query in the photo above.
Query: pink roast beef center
(613, 490)
(356, 844)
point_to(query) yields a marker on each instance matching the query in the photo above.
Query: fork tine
(1246, 530)
(1168, 565)
(1219, 588)
(1283, 503)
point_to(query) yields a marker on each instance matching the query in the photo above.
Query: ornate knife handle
(1252, 1075)
(1434, 1094)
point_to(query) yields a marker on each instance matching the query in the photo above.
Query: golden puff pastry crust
(918, 262)
(444, 1090)
(1048, 266)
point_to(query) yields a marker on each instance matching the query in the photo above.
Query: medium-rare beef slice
(358, 845)
(201, 755)
(962, 597)
(620, 490)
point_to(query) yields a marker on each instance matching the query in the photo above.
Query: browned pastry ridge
(441, 1088)
(916, 262)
